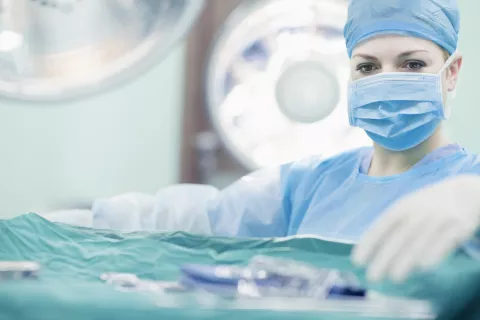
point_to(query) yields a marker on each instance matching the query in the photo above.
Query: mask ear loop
(447, 110)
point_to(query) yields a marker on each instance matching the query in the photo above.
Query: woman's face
(395, 53)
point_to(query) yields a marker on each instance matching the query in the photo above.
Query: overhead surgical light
(277, 82)
(61, 49)
(10, 40)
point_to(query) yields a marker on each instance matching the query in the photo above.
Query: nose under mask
(398, 110)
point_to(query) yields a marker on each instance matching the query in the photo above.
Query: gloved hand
(420, 230)
(181, 207)
(126, 212)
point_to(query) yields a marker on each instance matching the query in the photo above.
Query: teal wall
(123, 140)
(464, 125)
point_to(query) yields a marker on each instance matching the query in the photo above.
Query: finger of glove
(395, 247)
(426, 235)
(445, 243)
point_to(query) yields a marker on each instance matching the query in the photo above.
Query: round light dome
(277, 82)
(60, 49)
(306, 92)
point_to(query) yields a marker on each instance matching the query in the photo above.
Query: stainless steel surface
(60, 49)
(277, 82)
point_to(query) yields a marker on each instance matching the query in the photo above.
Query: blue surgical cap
(435, 20)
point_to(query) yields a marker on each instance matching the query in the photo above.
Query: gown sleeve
(252, 206)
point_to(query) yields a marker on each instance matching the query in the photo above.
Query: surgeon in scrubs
(412, 198)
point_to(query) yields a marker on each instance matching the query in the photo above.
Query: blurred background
(251, 84)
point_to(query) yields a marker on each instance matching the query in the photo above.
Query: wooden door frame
(195, 117)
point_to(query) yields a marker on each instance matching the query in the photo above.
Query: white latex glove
(181, 207)
(420, 230)
(126, 212)
(184, 207)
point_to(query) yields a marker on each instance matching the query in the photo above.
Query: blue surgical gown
(331, 198)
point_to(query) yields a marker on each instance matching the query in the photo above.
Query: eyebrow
(402, 55)
(409, 53)
(364, 56)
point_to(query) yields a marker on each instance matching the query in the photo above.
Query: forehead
(394, 45)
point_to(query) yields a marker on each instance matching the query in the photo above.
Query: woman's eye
(366, 68)
(414, 65)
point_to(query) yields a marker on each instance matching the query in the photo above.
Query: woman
(404, 64)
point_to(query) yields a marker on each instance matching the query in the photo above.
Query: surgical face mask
(398, 110)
